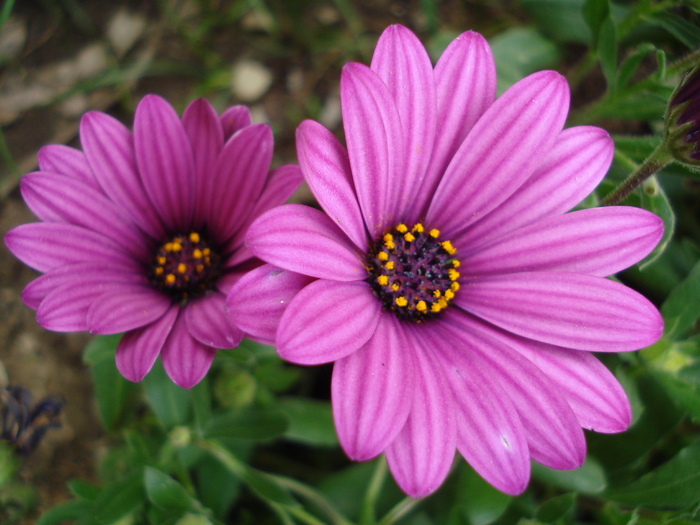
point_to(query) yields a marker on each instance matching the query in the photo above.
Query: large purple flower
(143, 233)
(457, 298)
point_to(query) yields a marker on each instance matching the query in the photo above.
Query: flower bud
(683, 120)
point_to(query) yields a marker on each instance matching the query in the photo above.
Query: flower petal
(596, 241)
(165, 160)
(257, 301)
(304, 240)
(126, 308)
(421, 455)
(233, 119)
(490, 434)
(208, 323)
(326, 167)
(501, 151)
(571, 170)
(109, 148)
(65, 308)
(403, 64)
(45, 246)
(371, 391)
(376, 144)
(139, 349)
(57, 158)
(565, 309)
(186, 360)
(203, 128)
(554, 436)
(465, 78)
(327, 320)
(60, 198)
(590, 389)
(241, 172)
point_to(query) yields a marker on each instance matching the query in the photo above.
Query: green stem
(656, 161)
(402, 508)
(375, 486)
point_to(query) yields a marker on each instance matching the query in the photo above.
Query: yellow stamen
(199, 268)
(161, 260)
(197, 253)
(401, 301)
(418, 228)
(159, 271)
(170, 279)
(168, 247)
(389, 265)
(421, 306)
(206, 251)
(453, 274)
(449, 294)
(435, 308)
(447, 245)
(434, 233)
(383, 256)
(409, 237)
(383, 280)
(194, 237)
(395, 287)
(176, 246)
(401, 228)
(389, 241)
(456, 263)
(454, 286)
(437, 294)
(181, 268)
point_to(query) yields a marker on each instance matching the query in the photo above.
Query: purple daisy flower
(143, 233)
(456, 297)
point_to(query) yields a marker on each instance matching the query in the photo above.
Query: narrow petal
(590, 389)
(577, 162)
(421, 455)
(139, 349)
(233, 119)
(186, 360)
(326, 167)
(403, 64)
(304, 240)
(565, 309)
(96, 273)
(554, 436)
(376, 144)
(126, 308)
(597, 241)
(371, 391)
(57, 158)
(326, 321)
(165, 160)
(45, 246)
(490, 434)
(257, 301)
(208, 323)
(59, 198)
(465, 78)
(109, 148)
(501, 151)
(65, 308)
(203, 128)
(241, 172)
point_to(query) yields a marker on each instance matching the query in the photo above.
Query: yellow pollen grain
(395, 287)
(383, 256)
(181, 268)
(177, 246)
(456, 263)
(168, 247)
(389, 245)
(453, 274)
(421, 306)
(199, 268)
(383, 280)
(401, 301)
(389, 265)
(207, 260)
(418, 228)
(170, 279)
(449, 294)
(434, 233)
(161, 260)
(206, 251)
(402, 228)
(409, 237)
(197, 254)
(442, 302)
(159, 271)
(388, 237)
(435, 308)
(437, 293)
(447, 245)
(194, 237)
(454, 286)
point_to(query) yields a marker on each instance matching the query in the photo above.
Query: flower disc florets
(185, 267)
(413, 272)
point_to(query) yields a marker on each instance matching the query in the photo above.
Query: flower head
(683, 120)
(456, 297)
(143, 233)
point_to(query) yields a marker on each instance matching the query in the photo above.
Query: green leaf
(255, 424)
(654, 199)
(266, 487)
(630, 65)
(479, 502)
(170, 403)
(310, 421)
(116, 501)
(166, 492)
(556, 508)
(684, 31)
(588, 479)
(682, 307)
(598, 16)
(72, 510)
(111, 390)
(520, 51)
(217, 487)
(84, 490)
(675, 484)
(595, 13)
(560, 19)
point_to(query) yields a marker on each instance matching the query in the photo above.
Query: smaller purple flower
(143, 233)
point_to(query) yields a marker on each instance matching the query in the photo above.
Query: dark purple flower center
(412, 272)
(185, 267)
